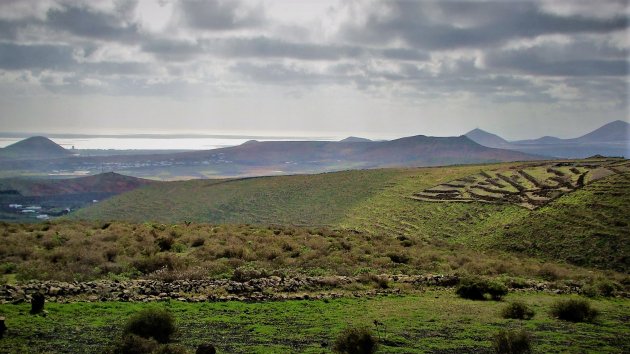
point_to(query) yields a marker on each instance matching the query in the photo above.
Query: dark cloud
(221, 14)
(172, 49)
(265, 47)
(37, 57)
(538, 62)
(86, 22)
(415, 48)
(438, 25)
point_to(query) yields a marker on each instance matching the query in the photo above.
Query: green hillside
(303, 199)
(579, 216)
(590, 227)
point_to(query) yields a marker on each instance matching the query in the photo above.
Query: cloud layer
(551, 53)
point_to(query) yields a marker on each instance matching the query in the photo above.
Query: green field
(434, 321)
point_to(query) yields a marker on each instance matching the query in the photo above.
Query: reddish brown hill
(111, 183)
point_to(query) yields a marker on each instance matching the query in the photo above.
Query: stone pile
(260, 289)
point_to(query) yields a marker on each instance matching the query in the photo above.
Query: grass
(433, 321)
(288, 200)
(589, 227)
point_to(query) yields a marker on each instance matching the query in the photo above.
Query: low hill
(321, 199)
(36, 147)
(382, 202)
(111, 183)
(354, 139)
(29, 199)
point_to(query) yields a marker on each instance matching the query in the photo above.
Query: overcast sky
(372, 68)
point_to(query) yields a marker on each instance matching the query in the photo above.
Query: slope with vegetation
(382, 202)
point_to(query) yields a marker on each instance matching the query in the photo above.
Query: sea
(156, 142)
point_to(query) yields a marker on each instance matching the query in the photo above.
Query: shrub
(132, 344)
(170, 349)
(206, 349)
(7, 268)
(178, 247)
(378, 280)
(512, 342)
(517, 310)
(496, 290)
(150, 264)
(476, 288)
(355, 341)
(154, 323)
(165, 243)
(471, 289)
(549, 272)
(399, 258)
(605, 288)
(198, 242)
(574, 310)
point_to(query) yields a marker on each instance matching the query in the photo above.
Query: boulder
(37, 303)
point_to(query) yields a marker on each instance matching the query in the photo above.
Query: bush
(470, 289)
(7, 268)
(476, 288)
(132, 344)
(152, 263)
(170, 349)
(604, 288)
(198, 242)
(574, 310)
(517, 310)
(153, 323)
(496, 290)
(512, 342)
(355, 341)
(165, 243)
(400, 258)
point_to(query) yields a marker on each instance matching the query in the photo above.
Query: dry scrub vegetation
(86, 250)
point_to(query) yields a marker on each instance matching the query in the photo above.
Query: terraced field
(530, 185)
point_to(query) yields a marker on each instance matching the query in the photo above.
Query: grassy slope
(590, 227)
(434, 321)
(391, 211)
(377, 202)
(294, 200)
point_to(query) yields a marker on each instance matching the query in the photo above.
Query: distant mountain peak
(485, 138)
(617, 130)
(355, 139)
(35, 147)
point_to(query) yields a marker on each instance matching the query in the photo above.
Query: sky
(379, 69)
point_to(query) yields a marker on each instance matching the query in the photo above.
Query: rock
(3, 328)
(37, 303)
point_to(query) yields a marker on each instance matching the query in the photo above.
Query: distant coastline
(151, 141)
